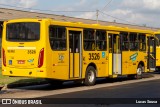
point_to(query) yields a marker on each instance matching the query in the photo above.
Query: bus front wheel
(90, 77)
(140, 70)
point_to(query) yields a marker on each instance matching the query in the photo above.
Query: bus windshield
(26, 31)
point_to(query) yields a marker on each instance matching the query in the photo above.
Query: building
(7, 14)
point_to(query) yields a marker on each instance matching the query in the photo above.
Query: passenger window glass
(142, 42)
(125, 41)
(101, 41)
(134, 42)
(89, 40)
(24, 31)
(57, 36)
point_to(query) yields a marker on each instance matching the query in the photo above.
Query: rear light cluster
(41, 58)
(4, 57)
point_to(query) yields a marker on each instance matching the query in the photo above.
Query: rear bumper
(35, 72)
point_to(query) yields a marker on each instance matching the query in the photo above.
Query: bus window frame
(66, 40)
(157, 38)
(135, 41)
(122, 40)
(23, 40)
(92, 40)
(101, 40)
(143, 42)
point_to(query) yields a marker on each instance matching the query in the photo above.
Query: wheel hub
(90, 76)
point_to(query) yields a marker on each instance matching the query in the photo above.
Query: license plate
(21, 61)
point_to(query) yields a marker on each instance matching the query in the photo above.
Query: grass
(20, 81)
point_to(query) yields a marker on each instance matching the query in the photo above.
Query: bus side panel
(100, 59)
(57, 62)
(133, 58)
(157, 56)
(110, 65)
(132, 62)
(59, 69)
(103, 64)
(125, 62)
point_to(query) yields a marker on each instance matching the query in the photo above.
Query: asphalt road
(149, 89)
(143, 89)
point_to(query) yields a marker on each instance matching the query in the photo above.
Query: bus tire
(90, 77)
(139, 72)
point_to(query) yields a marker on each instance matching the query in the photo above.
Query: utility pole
(97, 14)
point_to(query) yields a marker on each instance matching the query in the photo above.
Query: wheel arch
(95, 67)
(142, 64)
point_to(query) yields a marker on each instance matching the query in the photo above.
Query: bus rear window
(24, 31)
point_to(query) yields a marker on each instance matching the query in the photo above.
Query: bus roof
(82, 25)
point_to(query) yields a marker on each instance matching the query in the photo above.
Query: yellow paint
(110, 64)
(113, 76)
(157, 49)
(158, 56)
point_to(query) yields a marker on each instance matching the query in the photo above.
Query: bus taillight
(4, 57)
(41, 58)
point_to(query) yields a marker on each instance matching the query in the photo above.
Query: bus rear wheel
(90, 77)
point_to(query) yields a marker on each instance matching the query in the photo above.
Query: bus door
(151, 53)
(115, 54)
(75, 53)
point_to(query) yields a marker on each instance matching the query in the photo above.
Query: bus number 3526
(94, 56)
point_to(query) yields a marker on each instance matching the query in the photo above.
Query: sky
(139, 12)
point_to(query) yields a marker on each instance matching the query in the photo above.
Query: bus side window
(93, 46)
(125, 41)
(142, 42)
(89, 40)
(134, 42)
(101, 40)
(57, 36)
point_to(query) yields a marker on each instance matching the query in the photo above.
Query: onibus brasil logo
(134, 57)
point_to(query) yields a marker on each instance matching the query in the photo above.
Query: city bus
(157, 35)
(73, 51)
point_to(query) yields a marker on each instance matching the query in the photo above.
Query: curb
(25, 84)
(1, 87)
(4, 87)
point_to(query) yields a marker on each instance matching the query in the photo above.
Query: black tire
(140, 71)
(90, 77)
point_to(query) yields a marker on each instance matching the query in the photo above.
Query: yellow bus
(62, 51)
(157, 35)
